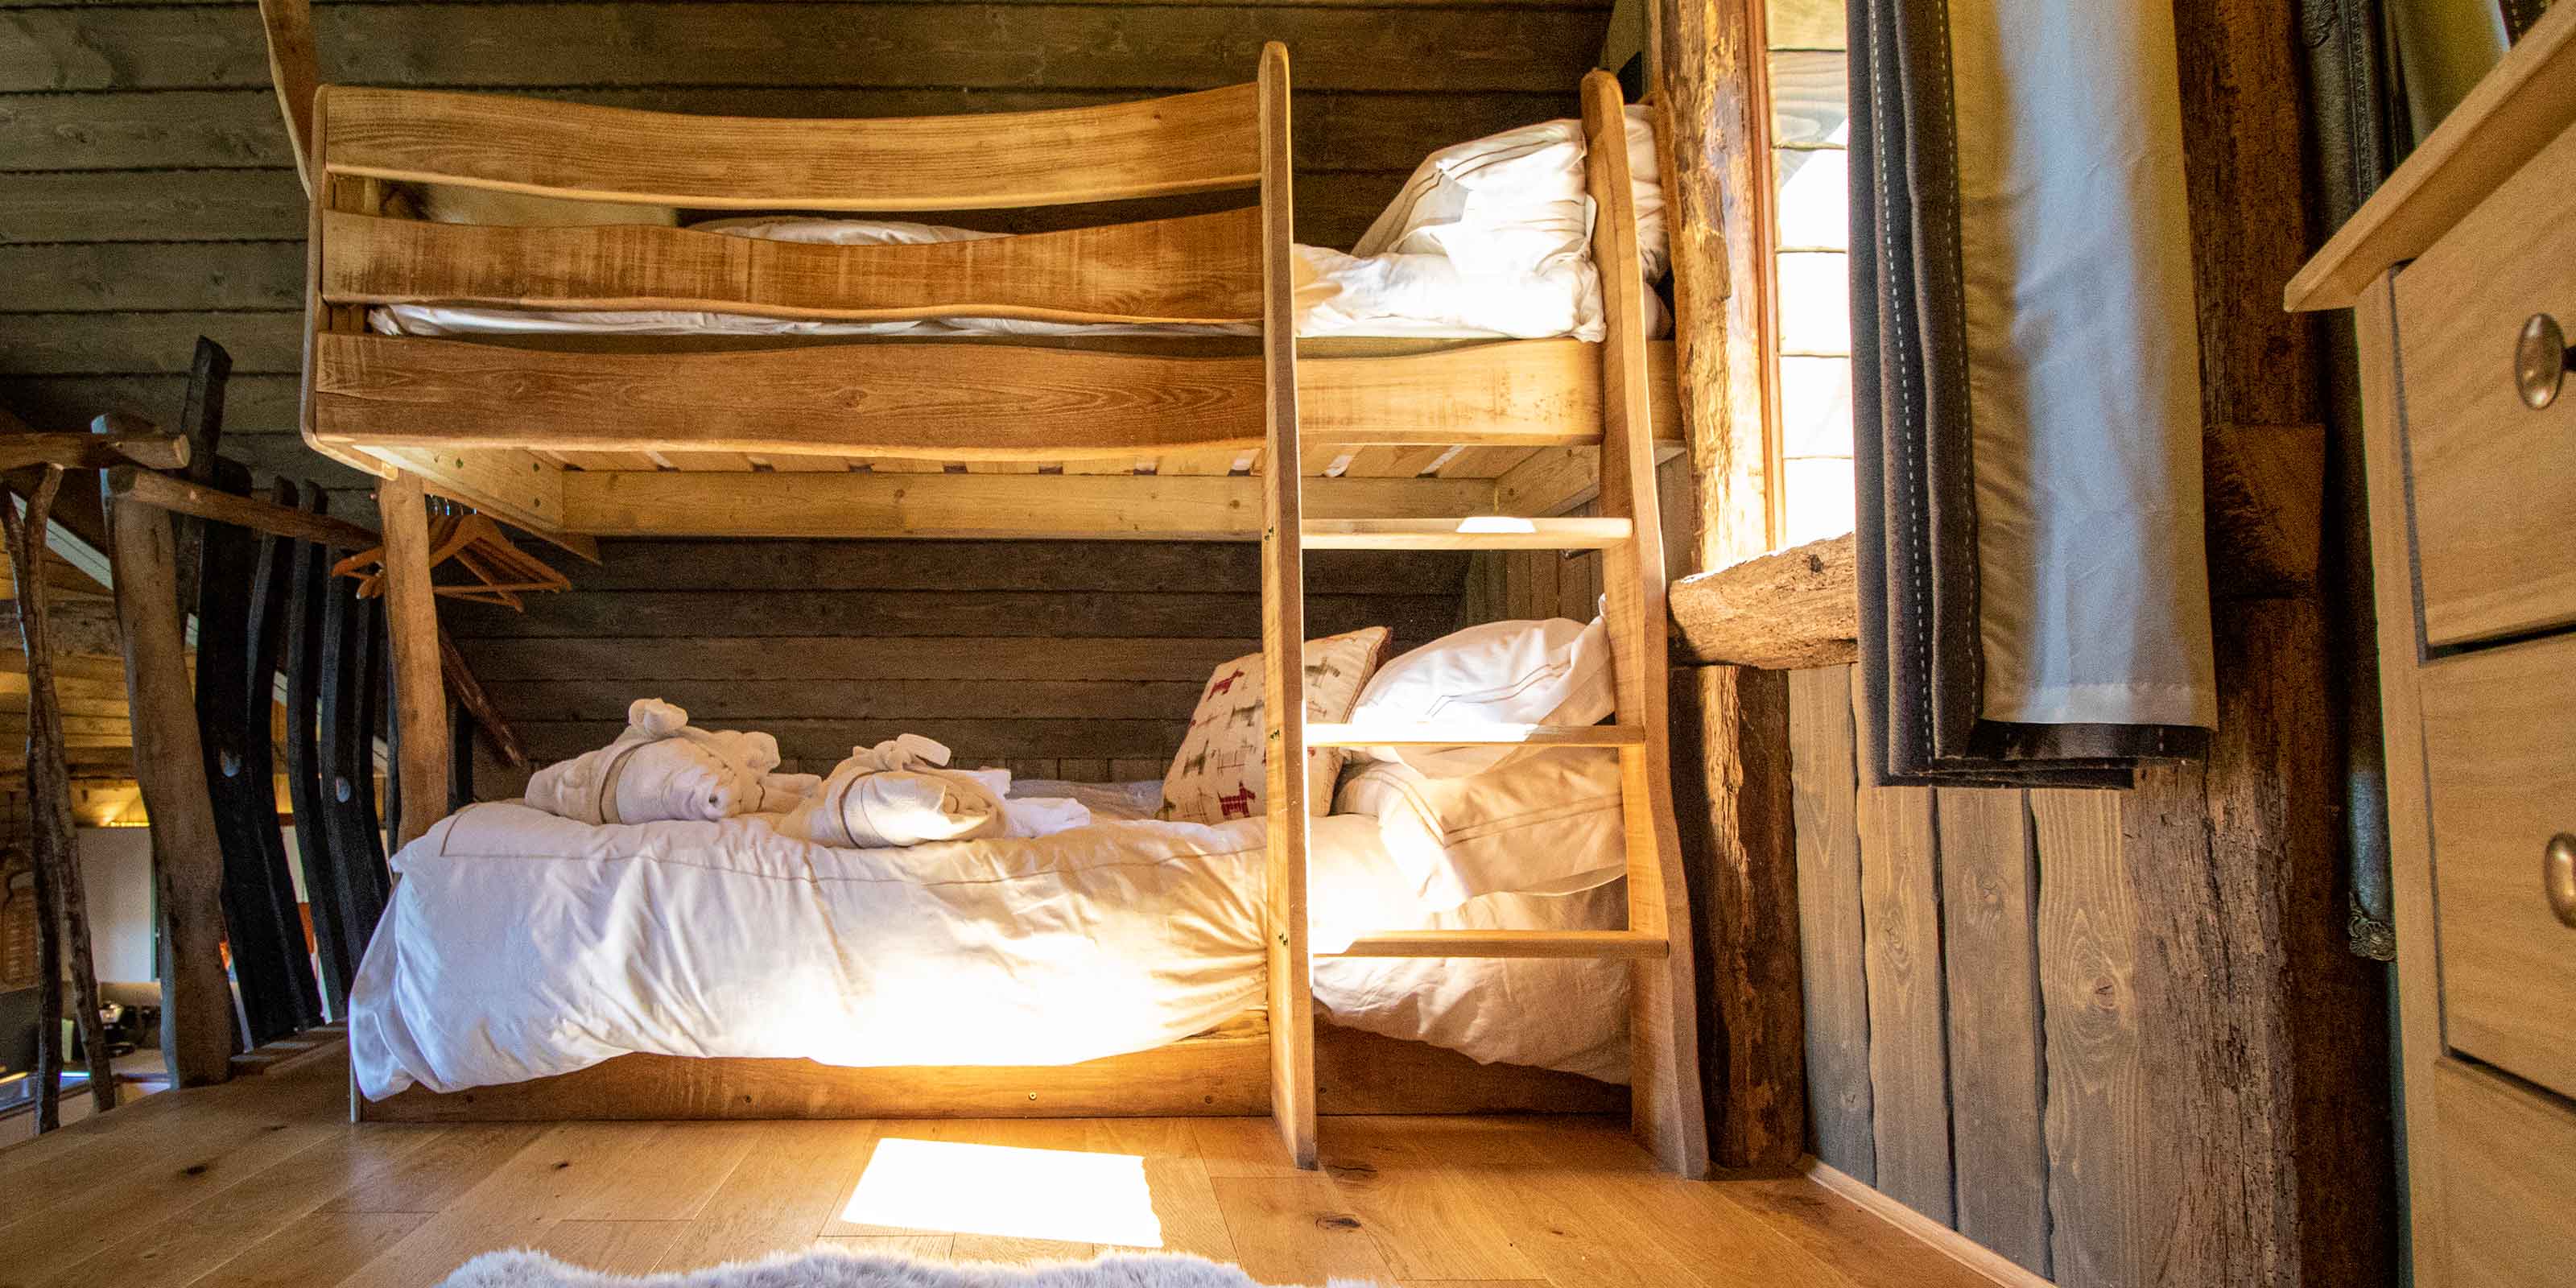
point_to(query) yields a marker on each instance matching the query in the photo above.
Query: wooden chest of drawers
(2462, 276)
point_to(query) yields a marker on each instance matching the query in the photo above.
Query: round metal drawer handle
(2540, 361)
(2558, 877)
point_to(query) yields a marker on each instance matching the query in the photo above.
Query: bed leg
(411, 625)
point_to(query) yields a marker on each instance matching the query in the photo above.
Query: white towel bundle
(900, 793)
(662, 769)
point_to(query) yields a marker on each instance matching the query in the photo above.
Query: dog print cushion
(1217, 774)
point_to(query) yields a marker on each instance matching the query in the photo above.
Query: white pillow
(1548, 823)
(1545, 672)
(1515, 202)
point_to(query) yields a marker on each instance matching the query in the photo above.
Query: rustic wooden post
(49, 787)
(1730, 724)
(1732, 791)
(170, 766)
(1712, 130)
(411, 627)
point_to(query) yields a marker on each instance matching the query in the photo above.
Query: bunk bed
(1249, 436)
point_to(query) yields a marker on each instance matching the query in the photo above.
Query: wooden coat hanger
(501, 570)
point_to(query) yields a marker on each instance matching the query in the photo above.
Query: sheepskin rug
(828, 1269)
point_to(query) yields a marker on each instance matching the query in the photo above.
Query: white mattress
(520, 945)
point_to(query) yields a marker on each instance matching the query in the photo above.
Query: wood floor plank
(1423, 1192)
(1241, 1147)
(450, 1160)
(785, 1196)
(918, 1247)
(611, 1247)
(1296, 1230)
(195, 1242)
(1861, 1246)
(1608, 1185)
(40, 1175)
(319, 1249)
(1185, 1207)
(90, 1221)
(1003, 1249)
(677, 1168)
(558, 1174)
(713, 1241)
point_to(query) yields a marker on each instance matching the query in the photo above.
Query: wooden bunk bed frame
(578, 438)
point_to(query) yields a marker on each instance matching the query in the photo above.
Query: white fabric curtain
(2026, 395)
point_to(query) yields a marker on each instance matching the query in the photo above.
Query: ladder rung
(1506, 943)
(1477, 532)
(1473, 735)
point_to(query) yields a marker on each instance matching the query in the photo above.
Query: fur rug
(844, 1270)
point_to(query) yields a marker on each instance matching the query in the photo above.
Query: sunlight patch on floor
(1059, 1194)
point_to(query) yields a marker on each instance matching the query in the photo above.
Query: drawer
(2493, 482)
(2500, 769)
(2508, 1178)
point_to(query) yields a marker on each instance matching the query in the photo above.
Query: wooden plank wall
(2115, 1036)
(1080, 660)
(147, 194)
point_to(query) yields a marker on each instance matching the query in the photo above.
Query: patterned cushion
(1217, 774)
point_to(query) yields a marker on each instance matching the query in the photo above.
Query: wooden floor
(263, 1182)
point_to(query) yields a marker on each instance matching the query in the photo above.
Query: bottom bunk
(1222, 1073)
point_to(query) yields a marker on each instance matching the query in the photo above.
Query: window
(1811, 297)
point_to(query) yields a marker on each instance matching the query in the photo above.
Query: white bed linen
(1490, 239)
(520, 945)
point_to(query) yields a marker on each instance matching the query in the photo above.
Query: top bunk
(597, 321)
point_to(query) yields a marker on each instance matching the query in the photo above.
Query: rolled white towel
(662, 769)
(899, 793)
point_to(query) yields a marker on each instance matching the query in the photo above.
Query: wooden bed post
(1283, 638)
(411, 628)
(1668, 1112)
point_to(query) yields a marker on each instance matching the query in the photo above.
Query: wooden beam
(197, 1006)
(1731, 787)
(411, 625)
(506, 483)
(1787, 611)
(91, 451)
(1105, 506)
(469, 693)
(182, 497)
(1713, 127)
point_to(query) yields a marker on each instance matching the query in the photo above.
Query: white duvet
(520, 945)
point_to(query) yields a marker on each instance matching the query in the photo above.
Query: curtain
(2034, 587)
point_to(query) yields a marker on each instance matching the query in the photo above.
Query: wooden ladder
(1667, 1111)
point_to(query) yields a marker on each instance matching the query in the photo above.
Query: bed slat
(902, 400)
(1195, 269)
(1199, 142)
(916, 400)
